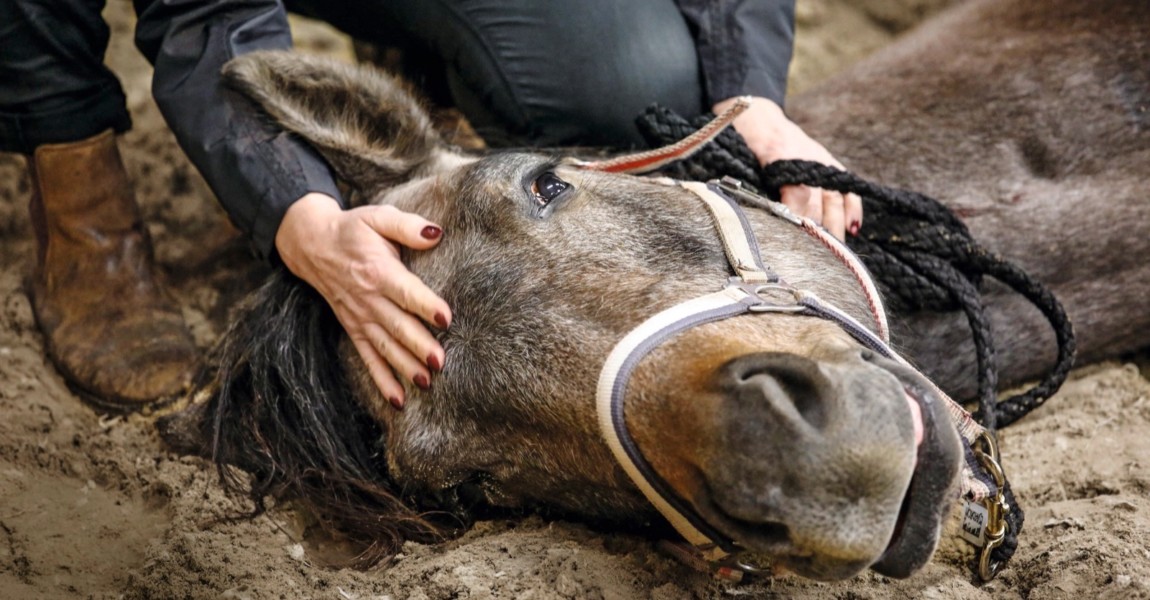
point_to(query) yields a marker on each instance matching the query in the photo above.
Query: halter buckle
(735, 569)
(773, 297)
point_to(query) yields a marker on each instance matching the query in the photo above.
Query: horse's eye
(547, 187)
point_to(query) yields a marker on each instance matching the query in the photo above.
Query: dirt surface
(97, 508)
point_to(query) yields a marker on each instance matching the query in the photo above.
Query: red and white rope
(650, 160)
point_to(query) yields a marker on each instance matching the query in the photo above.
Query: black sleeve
(256, 169)
(745, 46)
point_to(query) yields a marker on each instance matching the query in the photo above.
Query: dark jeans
(518, 83)
(54, 86)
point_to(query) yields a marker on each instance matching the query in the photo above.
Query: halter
(756, 289)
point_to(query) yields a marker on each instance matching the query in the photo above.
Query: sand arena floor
(98, 508)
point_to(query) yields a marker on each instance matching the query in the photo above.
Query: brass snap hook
(986, 451)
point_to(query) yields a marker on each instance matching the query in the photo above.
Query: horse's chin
(927, 501)
(932, 489)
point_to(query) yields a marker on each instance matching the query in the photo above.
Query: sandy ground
(97, 508)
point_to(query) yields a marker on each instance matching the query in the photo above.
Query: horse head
(782, 433)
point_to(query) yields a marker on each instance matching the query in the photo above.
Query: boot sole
(117, 406)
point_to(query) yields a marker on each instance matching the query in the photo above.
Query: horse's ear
(369, 128)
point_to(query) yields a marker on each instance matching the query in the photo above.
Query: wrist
(764, 127)
(301, 222)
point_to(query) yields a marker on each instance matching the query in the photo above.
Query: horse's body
(1031, 120)
(779, 430)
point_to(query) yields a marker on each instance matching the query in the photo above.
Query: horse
(780, 431)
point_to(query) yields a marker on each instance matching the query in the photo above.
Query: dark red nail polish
(396, 402)
(441, 320)
(421, 381)
(433, 362)
(431, 232)
(854, 227)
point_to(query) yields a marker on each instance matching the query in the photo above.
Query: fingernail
(396, 402)
(431, 232)
(421, 381)
(441, 320)
(854, 229)
(433, 362)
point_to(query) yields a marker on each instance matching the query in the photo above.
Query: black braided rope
(1014, 520)
(920, 253)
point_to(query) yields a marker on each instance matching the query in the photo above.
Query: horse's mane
(280, 407)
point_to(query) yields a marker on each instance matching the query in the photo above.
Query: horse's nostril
(785, 383)
(867, 355)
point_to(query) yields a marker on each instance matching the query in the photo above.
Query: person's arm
(745, 48)
(256, 169)
(280, 192)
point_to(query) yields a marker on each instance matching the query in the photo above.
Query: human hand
(772, 136)
(352, 258)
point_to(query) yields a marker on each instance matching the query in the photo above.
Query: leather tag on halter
(974, 520)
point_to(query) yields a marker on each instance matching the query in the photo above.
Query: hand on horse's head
(352, 258)
(772, 136)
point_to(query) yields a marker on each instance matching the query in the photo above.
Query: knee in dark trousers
(548, 73)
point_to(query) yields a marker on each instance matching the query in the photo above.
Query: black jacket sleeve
(255, 169)
(745, 46)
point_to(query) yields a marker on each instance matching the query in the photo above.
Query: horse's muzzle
(826, 467)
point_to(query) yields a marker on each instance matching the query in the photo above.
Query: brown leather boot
(114, 334)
